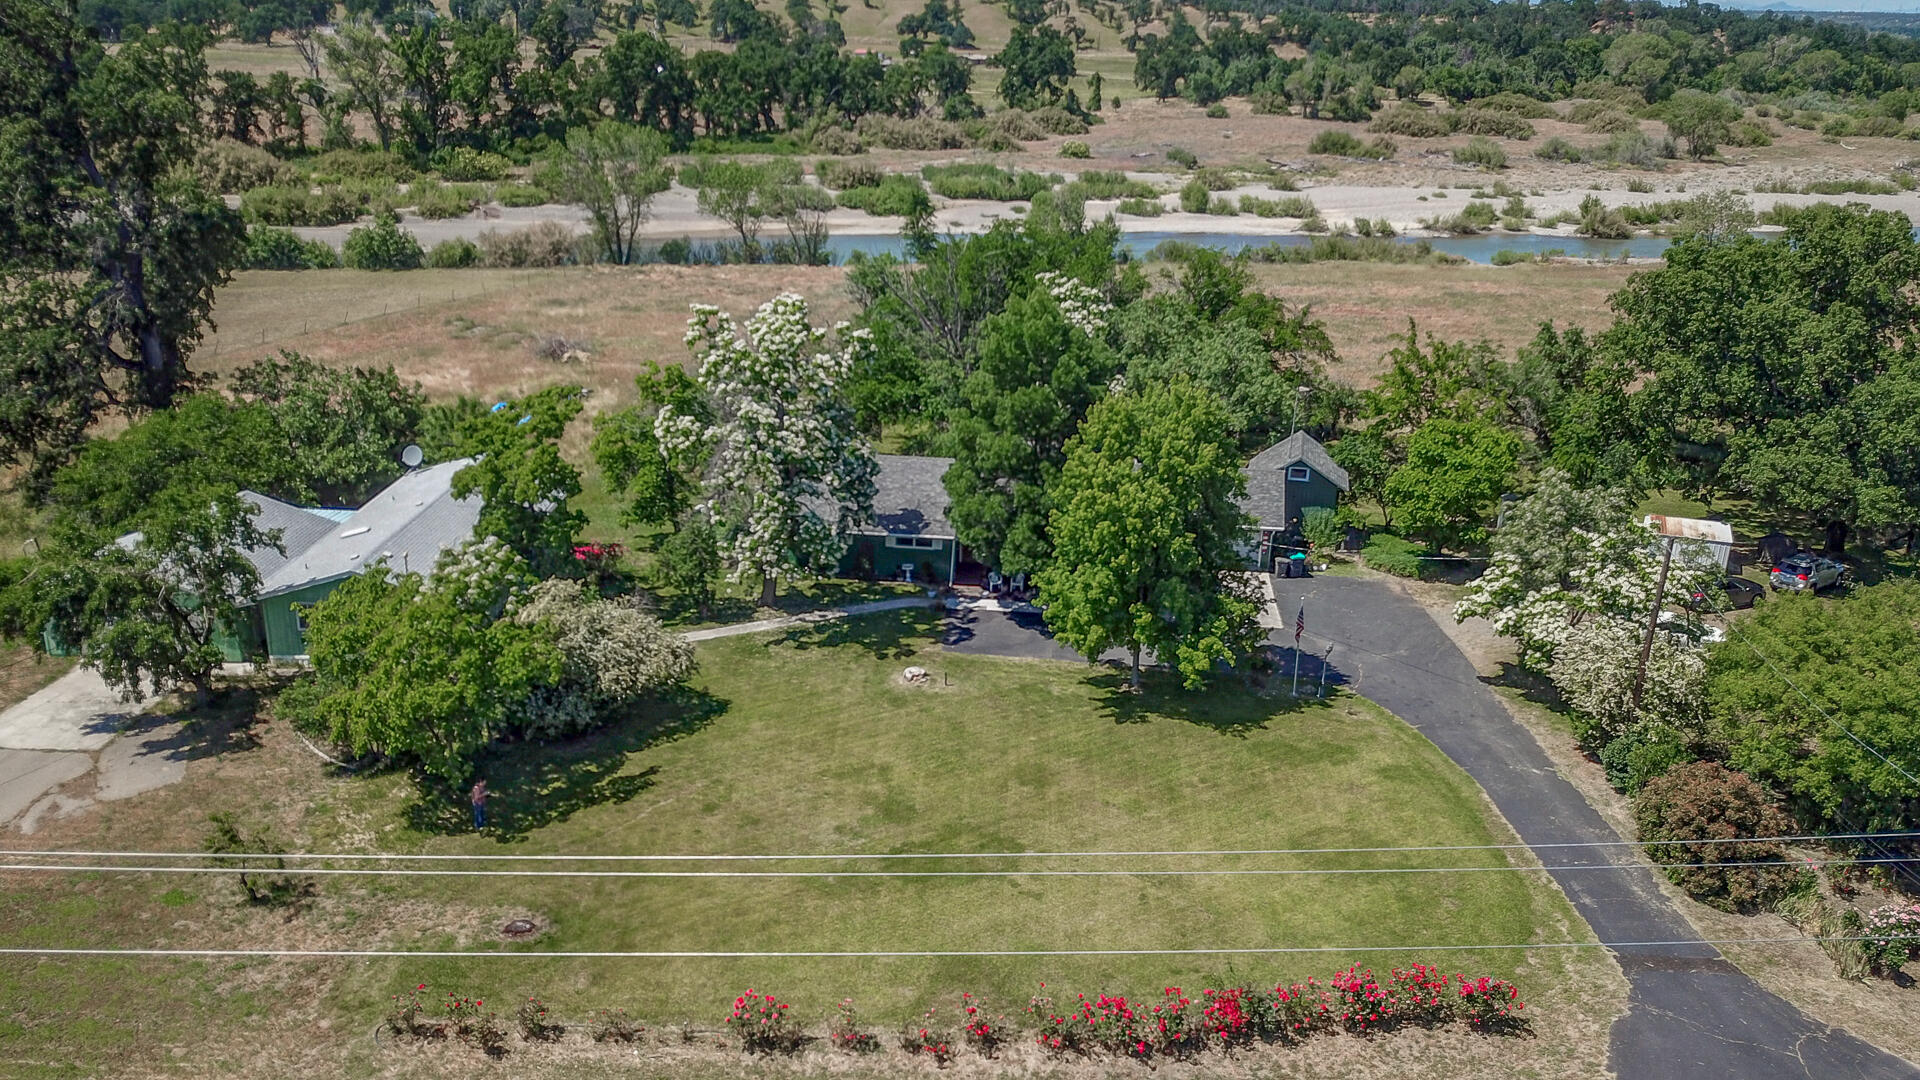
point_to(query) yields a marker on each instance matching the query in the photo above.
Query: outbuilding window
(912, 542)
(1299, 472)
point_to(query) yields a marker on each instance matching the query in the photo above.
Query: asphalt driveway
(1693, 1014)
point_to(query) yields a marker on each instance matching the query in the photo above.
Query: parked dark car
(1731, 594)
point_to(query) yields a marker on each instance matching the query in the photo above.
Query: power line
(828, 954)
(876, 856)
(676, 874)
(1771, 666)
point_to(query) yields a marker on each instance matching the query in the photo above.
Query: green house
(1283, 482)
(910, 538)
(408, 525)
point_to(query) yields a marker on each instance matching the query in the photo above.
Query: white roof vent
(356, 532)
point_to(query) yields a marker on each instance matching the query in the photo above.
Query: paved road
(1694, 1015)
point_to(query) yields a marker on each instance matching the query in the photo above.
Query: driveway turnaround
(63, 731)
(1693, 1014)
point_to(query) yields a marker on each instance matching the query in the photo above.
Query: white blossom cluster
(482, 575)
(1082, 305)
(1594, 668)
(614, 653)
(782, 448)
(1610, 574)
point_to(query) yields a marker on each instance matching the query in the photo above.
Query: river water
(1478, 249)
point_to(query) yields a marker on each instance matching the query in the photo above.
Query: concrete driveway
(71, 727)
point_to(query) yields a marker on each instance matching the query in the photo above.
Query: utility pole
(1653, 621)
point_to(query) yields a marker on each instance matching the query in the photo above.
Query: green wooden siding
(281, 623)
(873, 557)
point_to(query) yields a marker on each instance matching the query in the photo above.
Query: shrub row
(895, 196)
(1343, 144)
(270, 248)
(979, 180)
(1113, 184)
(1172, 1025)
(1418, 123)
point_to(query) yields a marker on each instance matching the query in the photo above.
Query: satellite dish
(412, 456)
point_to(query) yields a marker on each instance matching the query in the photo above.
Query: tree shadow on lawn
(823, 594)
(1235, 704)
(224, 725)
(534, 785)
(886, 635)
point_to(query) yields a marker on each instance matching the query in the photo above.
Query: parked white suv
(1804, 572)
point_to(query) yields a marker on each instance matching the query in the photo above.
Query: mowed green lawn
(809, 742)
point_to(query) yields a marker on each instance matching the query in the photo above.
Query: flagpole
(1323, 671)
(1299, 627)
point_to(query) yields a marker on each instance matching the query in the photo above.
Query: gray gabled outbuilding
(1283, 482)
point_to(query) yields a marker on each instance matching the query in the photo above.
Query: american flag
(1300, 623)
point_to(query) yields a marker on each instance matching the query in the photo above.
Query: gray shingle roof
(409, 524)
(909, 499)
(300, 528)
(1266, 499)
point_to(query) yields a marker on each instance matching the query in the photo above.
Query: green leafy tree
(614, 170)
(633, 459)
(525, 481)
(1833, 736)
(338, 431)
(205, 444)
(145, 609)
(690, 562)
(1703, 120)
(1454, 472)
(1783, 371)
(1147, 532)
(110, 251)
(408, 671)
(1249, 349)
(370, 76)
(1036, 66)
(741, 194)
(1369, 457)
(1041, 365)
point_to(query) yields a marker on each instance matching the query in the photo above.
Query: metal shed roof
(1685, 528)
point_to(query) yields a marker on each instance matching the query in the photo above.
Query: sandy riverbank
(676, 212)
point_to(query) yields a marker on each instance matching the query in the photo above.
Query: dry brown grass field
(476, 331)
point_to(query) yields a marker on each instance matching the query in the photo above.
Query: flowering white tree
(1566, 555)
(787, 475)
(1593, 667)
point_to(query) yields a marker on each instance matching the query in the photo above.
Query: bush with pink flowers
(845, 1032)
(1489, 1004)
(928, 1039)
(1892, 934)
(762, 1023)
(983, 1032)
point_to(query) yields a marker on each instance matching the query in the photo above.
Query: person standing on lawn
(478, 796)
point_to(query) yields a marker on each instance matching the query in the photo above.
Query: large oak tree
(110, 250)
